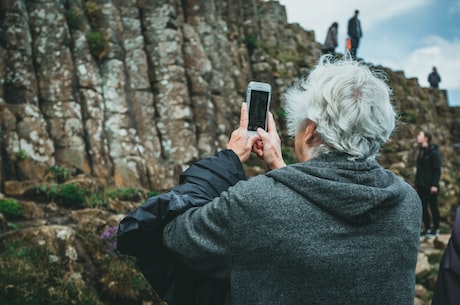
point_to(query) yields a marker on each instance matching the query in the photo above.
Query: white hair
(349, 103)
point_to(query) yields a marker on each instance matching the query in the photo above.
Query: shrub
(73, 18)
(69, 195)
(126, 193)
(252, 43)
(94, 12)
(98, 44)
(10, 208)
(96, 200)
(60, 174)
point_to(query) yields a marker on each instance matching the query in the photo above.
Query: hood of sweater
(356, 191)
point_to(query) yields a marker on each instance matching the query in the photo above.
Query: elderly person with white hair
(334, 228)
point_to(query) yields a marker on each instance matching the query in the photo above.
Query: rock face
(131, 92)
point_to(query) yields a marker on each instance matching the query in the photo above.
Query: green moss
(94, 12)
(22, 155)
(151, 194)
(252, 43)
(407, 116)
(70, 195)
(10, 208)
(59, 173)
(96, 201)
(66, 195)
(126, 193)
(98, 44)
(74, 19)
(27, 276)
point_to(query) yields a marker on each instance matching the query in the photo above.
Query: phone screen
(258, 109)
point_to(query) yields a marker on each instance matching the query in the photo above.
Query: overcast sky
(408, 35)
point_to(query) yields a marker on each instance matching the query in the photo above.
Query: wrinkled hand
(240, 142)
(268, 147)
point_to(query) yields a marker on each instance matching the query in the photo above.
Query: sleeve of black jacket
(140, 232)
(436, 167)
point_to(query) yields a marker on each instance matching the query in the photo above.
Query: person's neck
(425, 144)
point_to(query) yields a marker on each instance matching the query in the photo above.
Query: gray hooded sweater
(325, 231)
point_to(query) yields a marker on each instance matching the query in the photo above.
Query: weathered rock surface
(129, 93)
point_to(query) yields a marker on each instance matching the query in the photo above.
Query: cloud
(319, 15)
(439, 52)
(410, 35)
(454, 8)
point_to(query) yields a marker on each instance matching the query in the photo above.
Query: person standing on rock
(354, 33)
(428, 174)
(434, 79)
(334, 228)
(331, 39)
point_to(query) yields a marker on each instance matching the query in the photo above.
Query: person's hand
(240, 142)
(268, 148)
(434, 190)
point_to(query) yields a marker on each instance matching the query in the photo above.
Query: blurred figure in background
(331, 39)
(355, 33)
(434, 79)
(427, 182)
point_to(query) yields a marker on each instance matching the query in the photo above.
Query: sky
(403, 35)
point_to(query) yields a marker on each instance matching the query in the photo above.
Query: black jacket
(354, 28)
(140, 232)
(447, 290)
(428, 167)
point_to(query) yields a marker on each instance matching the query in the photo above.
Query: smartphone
(258, 99)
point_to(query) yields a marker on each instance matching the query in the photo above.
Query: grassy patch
(28, 276)
(126, 194)
(74, 19)
(98, 44)
(10, 208)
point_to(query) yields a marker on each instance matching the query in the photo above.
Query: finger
(262, 133)
(254, 139)
(271, 123)
(244, 120)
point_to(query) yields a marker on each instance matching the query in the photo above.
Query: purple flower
(109, 239)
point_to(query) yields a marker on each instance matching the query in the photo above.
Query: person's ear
(310, 133)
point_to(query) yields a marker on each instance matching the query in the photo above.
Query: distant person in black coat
(427, 182)
(434, 79)
(355, 33)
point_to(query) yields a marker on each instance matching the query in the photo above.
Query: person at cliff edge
(334, 228)
(434, 79)
(354, 33)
